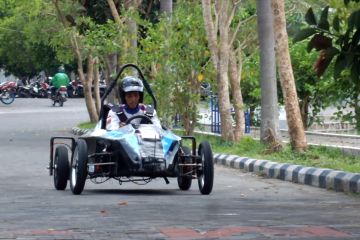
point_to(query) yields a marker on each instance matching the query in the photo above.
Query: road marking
(303, 231)
(310, 232)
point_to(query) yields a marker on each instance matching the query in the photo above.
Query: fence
(215, 116)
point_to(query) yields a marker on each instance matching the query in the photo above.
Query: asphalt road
(241, 206)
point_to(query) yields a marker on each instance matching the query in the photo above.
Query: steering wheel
(146, 119)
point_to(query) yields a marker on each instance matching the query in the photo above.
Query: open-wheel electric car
(133, 153)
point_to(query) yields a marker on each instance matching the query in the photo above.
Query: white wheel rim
(74, 168)
(202, 178)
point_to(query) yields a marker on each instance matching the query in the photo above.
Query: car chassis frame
(89, 157)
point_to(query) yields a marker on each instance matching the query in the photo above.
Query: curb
(317, 177)
(78, 131)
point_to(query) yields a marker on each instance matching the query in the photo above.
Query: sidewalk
(349, 144)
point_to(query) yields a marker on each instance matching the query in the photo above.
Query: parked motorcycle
(43, 88)
(23, 91)
(8, 92)
(59, 96)
(75, 89)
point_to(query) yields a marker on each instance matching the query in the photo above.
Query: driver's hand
(121, 124)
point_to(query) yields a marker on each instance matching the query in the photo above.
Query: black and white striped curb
(317, 177)
(78, 131)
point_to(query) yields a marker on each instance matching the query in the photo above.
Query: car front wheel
(79, 167)
(61, 168)
(184, 182)
(205, 173)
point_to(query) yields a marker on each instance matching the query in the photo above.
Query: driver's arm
(112, 121)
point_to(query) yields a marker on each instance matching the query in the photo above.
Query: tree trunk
(97, 86)
(296, 127)
(132, 40)
(269, 100)
(235, 73)
(210, 31)
(114, 12)
(357, 109)
(87, 82)
(166, 6)
(304, 110)
(111, 63)
(220, 49)
(223, 80)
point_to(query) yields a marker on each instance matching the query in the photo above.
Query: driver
(131, 91)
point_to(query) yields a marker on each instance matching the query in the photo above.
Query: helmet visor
(133, 89)
(132, 86)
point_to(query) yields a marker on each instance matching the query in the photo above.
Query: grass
(316, 156)
(86, 125)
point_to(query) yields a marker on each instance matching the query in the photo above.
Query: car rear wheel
(184, 182)
(205, 173)
(61, 168)
(79, 167)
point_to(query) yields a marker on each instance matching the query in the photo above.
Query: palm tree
(269, 100)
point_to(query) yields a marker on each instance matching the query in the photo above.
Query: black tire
(80, 92)
(7, 98)
(43, 93)
(78, 171)
(61, 103)
(206, 173)
(61, 168)
(184, 182)
(23, 94)
(70, 92)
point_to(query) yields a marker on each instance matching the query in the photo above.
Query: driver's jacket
(118, 115)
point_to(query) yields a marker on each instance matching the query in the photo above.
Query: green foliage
(303, 34)
(310, 17)
(339, 41)
(311, 90)
(250, 81)
(98, 11)
(21, 52)
(102, 39)
(175, 56)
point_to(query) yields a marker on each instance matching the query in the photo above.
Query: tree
(220, 42)
(296, 128)
(339, 41)
(269, 100)
(313, 92)
(174, 55)
(21, 54)
(88, 40)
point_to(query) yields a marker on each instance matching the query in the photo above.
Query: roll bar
(113, 83)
